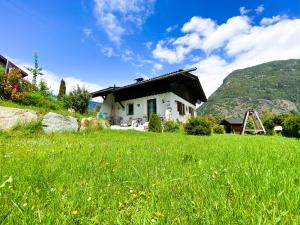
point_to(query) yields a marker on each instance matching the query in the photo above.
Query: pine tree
(36, 70)
(62, 89)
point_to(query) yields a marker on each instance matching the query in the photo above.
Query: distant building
(232, 125)
(171, 96)
(8, 65)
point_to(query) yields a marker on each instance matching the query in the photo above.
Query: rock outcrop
(53, 122)
(11, 117)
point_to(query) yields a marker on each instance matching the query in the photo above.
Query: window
(191, 111)
(180, 108)
(130, 109)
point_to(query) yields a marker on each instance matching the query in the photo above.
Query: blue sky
(99, 43)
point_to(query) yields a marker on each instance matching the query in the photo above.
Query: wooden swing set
(258, 125)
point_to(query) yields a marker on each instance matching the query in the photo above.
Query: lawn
(123, 177)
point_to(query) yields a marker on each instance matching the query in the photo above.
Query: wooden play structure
(258, 127)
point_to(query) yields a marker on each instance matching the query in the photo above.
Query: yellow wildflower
(75, 212)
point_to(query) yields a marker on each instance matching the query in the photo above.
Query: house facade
(7, 64)
(171, 96)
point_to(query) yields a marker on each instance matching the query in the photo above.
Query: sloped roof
(180, 81)
(4, 60)
(233, 121)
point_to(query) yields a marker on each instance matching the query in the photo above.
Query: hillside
(273, 85)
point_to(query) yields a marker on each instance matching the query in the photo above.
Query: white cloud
(201, 37)
(127, 55)
(108, 51)
(171, 28)
(87, 32)
(203, 26)
(273, 19)
(148, 44)
(53, 81)
(259, 9)
(256, 47)
(158, 66)
(235, 44)
(171, 56)
(234, 26)
(244, 10)
(114, 15)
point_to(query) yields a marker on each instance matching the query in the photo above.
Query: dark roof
(181, 82)
(233, 121)
(4, 61)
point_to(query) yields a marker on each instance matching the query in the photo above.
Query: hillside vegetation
(122, 177)
(274, 86)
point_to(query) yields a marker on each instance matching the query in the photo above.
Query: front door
(151, 107)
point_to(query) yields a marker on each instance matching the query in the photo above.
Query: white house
(171, 96)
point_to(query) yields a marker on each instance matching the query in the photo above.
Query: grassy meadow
(126, 177)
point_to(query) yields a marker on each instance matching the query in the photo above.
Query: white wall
(163, 102)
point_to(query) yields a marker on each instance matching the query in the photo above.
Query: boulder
(11, 117)
(53, 122)
(90, 122)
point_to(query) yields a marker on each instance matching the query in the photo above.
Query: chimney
(140, 79)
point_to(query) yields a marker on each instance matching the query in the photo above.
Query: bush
(78, 100)
(38, 100)
(2, 72)
(171, 126)
(12, 85)
(43, 88)
(155, 124)
(218, 129)
(291, 126)
(269, 126)
(279, 119)
(198, 126)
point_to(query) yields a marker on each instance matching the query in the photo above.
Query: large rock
(53, 122)
(11, 117)
(91, 122)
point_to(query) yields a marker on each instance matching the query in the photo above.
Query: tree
(36, 70)
(43, 88)
(62, 89)
(78, 100)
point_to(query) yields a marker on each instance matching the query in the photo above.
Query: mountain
(93, 104)
(273, 85)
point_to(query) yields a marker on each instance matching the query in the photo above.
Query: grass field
(123, 177)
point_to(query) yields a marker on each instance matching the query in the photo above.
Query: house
(171, 96)
(8, 65)
(232, 125)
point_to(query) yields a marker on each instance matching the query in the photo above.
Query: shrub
(43, 88)
(291, 126)
(171, 126)
(279, 120)
(38, 100)
(269, 126)
(2, 73)
(198, 126)
(78, 100)
(218, 129)
(154, 123)
(13, 85)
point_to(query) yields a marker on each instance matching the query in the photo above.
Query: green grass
(45, 110)
(123, 177)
